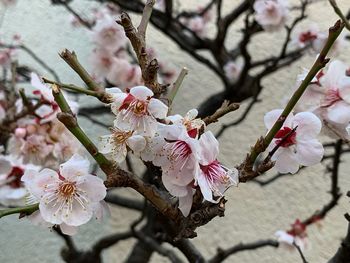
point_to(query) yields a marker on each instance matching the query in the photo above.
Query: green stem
(17, 210)
(72, 88)
(320, 63)
(340, 13)
(177, 85)
(71, 59)
(68, 119)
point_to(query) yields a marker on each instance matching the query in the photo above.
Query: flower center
(215, 173)
(120, 137)
(286, 137)
(178, 150)
(140, 107)
(67, 189)
(307, 36)
(332, 96)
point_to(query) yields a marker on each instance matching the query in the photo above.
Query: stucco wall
(252, 212)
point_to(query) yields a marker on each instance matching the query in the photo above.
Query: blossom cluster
(37, 140)
(111, 59)
(186, 156)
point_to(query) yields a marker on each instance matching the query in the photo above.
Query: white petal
(93, 187)
(344, 88)
(175, 190)
(309, 125)
(185, 202)
(287, 161)
(119, 153)
(79, 215)
(104, 144)
(101, 210)
(209, 148)
(37, 186)
(118, 100)
(309, 152)
(141, 92)
(271, 117)
(339, 112)
(48, 212)
(191, 114)
(5, 166)
(136, 143)
(68, 230)
(75, 166)
(157, 108)
(37, 220)
(205, 188)
(336, 71)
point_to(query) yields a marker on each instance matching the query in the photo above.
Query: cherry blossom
(124, 74)
(137, 111)
(108, 34)
(306, 37)
(233, 70)
(271, 14)
(297, 235)
(296, 141)
(213, 178)
(69, 196)
(12, 190)
(48, 111)
(192, 124)
(119, 141)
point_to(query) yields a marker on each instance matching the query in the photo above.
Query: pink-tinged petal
(37, 220)
(113, 90)
(101, 210)
(185, 202)
(68, 230)
(93, 187)
(344, 88)
(78, 216)
(171, 132)
(309, 125)
(209, 148)
(48, 213)
(336, 70)
(157, 108)
(141, 92)
(286, 161)
(38, 185)
(175, 190)
(136, 143)
(339, 112)
(272, 116)
(283, 236)
(28, 175)
(174, 119)
(205, 188)
(309, 152)
(75, 166)
(118, 100)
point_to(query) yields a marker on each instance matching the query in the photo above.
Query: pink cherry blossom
(124, 74)
(108, 34)
(213, 178)
(117, 143)
(271, 14)
(307, 36)
(301, 146)
(177, 155)
(70, 196)
(233, 70)
(137, 111)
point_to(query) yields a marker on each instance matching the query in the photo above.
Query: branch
(340, 13)
(222, 254)
(71, 59)
(225, 108)
(300, 252)
(25, 210)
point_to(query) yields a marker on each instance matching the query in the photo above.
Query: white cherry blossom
(117, 143)
(69, 196)
(297, 141)
(213, 178)
(137, 111)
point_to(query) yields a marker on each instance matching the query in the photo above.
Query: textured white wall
(252, 212)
